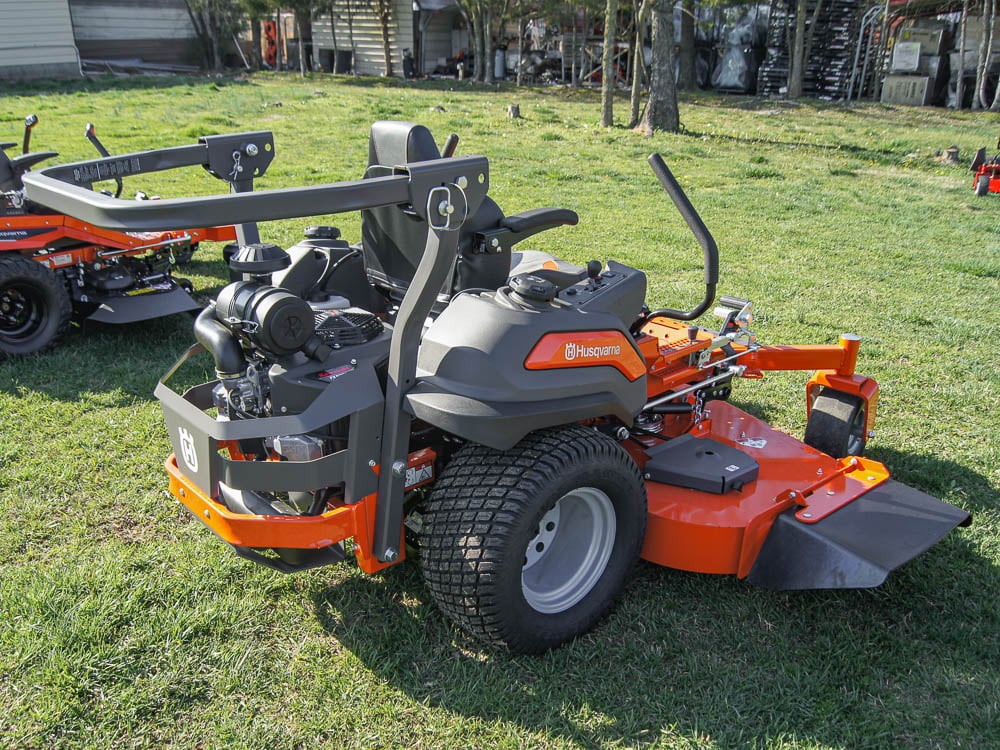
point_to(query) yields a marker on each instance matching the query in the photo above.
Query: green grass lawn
(124, 622)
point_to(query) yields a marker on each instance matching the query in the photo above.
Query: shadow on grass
(102, 358)
(877, 155)
(710, 658)
(93, 84)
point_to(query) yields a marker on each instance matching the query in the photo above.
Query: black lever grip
(701, 233)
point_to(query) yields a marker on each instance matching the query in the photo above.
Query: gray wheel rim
(568, 554)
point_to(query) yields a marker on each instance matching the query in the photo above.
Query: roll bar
(238, 159)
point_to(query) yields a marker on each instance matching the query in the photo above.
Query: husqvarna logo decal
(188, 453)
(576, 350)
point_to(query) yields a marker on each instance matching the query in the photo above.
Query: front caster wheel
(528, 548)
(836, 424)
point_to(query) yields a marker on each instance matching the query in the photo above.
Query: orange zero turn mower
(55, 268)
(527, 428)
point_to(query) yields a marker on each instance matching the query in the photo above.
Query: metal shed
(36, 40)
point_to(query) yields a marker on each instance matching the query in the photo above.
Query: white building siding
(36, 40)
(367, 32)
(130, 19)
(154, 30)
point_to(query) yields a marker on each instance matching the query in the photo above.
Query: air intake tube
(221, 343)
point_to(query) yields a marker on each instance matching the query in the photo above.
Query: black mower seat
(393, 238)
(12, 169)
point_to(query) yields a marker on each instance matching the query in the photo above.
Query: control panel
(618, 289)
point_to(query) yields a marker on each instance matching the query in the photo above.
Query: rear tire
(983, 185)
(836, 424)
(528, 548)
(35, 308)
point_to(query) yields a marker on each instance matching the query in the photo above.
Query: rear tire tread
(470, 519)
(59, 309)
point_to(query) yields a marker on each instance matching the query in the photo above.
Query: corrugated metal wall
(367, 35)
(155, 30)
(437, 38)
(36, 40)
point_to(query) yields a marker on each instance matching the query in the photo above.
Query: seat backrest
(393, 239)
(8, 178)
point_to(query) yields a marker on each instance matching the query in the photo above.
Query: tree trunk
(487, 26)
(639, 75)
(306, 35)
(350, 38)
(202, 33)
(810, 36)
(985, 52)
(302, 52)
(685, 78)
(960, 81)
(661, 109)
(796, 63)
(608, 64)
(383, 10)
(255, 44)
(279, 61)
(520, 43)
(475, 42)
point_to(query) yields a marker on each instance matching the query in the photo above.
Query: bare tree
(801, 46)
(303, 29)
(608, 64)
(661, 109)
(214, 22)
(639, 73)
(383, 12)
(979, 98)
(686, 74)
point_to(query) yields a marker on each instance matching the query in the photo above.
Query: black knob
(594, 269)
(692, 333)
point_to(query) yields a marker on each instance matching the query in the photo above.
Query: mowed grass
(124, 622)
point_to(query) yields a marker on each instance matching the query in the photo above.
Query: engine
(275, 354)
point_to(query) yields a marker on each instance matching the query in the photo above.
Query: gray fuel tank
(495, 366)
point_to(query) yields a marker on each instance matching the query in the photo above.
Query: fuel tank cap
(528, 288)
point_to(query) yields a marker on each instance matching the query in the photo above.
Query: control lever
(450, 146)
(92, 137)
(29, 123)
(594, 269)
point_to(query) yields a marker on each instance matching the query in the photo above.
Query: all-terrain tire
(983, 185)
(528, 548)
(837, 424)
(35, 308)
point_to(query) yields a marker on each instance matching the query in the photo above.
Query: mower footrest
(858, 545)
